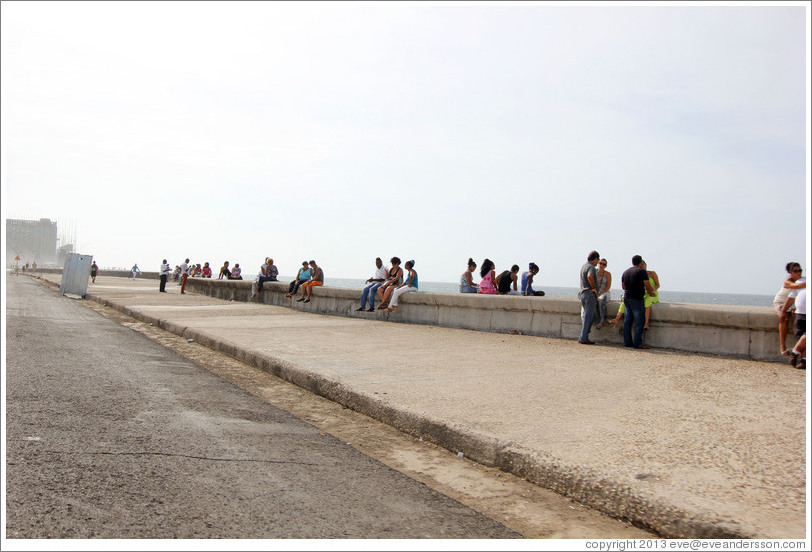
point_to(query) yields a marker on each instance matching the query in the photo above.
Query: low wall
(745, 332)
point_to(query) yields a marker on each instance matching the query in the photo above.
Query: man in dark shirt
(635, 283)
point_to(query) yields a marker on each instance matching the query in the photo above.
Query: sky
(340, 132)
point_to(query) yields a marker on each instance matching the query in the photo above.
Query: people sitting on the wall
(527, 281)
(301, 277)
(394, 277)
(196, 271)
(487, 284)
(467, 284)
(409, 285)
(236, 273)
(507, 281)
(206, 272)
(224, 272)
(373, 283)
(316, 279)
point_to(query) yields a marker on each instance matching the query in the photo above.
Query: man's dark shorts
(800, 325)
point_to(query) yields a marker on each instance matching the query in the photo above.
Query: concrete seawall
(731, 331)
(745, 332)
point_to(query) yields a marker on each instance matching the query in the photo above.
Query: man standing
(93, 270)
(635, 284)
(184, 274)
(165, 270)
(589, 296)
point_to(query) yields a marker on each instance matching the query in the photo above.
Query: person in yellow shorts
(648, 299)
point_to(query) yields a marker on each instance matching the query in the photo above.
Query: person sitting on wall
(394, 277)
(508, 279)
(236, 274)
(467, 284)
(316, 279)
(301, 277)
(527, 281)
(206, 272)
(373, 283)
(409, 285)
(224, 272)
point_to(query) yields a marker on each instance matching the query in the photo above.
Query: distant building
(34, 241)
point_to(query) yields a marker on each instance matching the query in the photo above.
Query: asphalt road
(110, 435)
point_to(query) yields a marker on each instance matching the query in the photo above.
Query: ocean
(666, 296)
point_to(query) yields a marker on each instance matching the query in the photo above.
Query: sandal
(390, 309)
(785, 352)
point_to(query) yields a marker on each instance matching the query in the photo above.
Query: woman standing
(467, 284)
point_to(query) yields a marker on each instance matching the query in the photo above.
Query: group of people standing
(388, 284)
(505, 283)
(640, 287)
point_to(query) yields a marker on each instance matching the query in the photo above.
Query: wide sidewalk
(688, 445)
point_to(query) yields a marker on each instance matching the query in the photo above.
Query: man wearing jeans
(377, 280)
(589, 296)
(635, 283)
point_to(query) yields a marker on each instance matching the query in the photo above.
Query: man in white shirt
(165, 270)
(373, 283)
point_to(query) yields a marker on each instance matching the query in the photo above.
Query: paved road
(110, 435)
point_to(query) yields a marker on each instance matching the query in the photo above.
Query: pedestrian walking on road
(165, 271)
(93, 270)
(135, 270)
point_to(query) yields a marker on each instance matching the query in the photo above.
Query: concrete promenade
(688, 445)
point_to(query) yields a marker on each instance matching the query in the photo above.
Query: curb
(578, 483)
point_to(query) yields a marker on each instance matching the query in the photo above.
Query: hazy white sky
(435, 132)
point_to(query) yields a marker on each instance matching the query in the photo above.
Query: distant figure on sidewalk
(507, 281)
(316, 279)
(527, 281)
(487, 285)
(135, 270)
(588, 295)
(373, 283)
(467, 284)
(165, 271)
(301, 277)
(184, 275)
(93, 270)
(409, 285)
(635, 282)
(224, 272)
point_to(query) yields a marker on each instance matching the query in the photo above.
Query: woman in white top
(782, 304)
